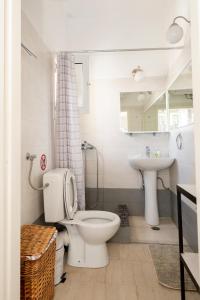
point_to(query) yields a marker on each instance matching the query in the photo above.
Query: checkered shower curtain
(68, 141)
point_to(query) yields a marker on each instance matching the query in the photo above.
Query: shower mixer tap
(85, 146)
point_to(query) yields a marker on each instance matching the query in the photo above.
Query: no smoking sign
(43, 162)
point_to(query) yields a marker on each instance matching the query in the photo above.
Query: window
(82, 79)
(80, 83)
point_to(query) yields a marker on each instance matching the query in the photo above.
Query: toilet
(88, 230)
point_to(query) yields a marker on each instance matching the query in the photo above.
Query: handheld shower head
(85, 146)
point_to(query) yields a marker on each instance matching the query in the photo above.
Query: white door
(10, 128)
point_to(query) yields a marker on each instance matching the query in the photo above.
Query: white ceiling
(108, 24)
(101, 24)
(120, 65)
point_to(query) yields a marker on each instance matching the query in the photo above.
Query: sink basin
(149, 168)
(145, 163)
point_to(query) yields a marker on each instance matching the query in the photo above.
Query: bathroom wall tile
(121, 180)
(101, 127)
(109, 199)
(91, 181)
(183, 170)
(189, 216)
(164, 203)
(91, 167)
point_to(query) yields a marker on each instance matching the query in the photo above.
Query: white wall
(183, 170)
(101, 127)
(36, 117)
(69, 25)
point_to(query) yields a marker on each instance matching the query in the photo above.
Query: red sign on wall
(43, 162)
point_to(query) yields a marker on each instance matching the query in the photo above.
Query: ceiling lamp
(138, 74)
(175, 31)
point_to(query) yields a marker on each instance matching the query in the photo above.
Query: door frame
(195, 38)
(10, 137)
(10, 149)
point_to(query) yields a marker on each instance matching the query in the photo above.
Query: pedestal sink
(150, 166)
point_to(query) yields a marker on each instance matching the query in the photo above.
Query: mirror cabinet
(150, 111)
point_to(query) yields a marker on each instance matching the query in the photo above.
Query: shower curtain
(67, 128)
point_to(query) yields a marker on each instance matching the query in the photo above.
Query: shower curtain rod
(28, 51)
(109, 50)
(126, 50)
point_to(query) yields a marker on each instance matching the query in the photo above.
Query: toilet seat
(91, 218)
(70, 194)
(95, 218)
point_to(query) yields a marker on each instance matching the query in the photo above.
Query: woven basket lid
(35, 240)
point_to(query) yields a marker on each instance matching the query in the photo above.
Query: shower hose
(85, 147)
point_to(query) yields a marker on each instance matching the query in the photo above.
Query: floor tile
(130, 275)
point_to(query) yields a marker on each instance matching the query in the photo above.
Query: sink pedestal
(150, 167)
(151, 204)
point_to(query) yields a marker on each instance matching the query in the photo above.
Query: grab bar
(31, 158)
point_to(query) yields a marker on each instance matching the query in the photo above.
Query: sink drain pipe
(162, 182)
(142, 175)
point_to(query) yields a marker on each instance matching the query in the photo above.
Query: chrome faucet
(85, 145)
(148, 151)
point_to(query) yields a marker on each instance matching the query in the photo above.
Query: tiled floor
(130, 275)
(141, 232)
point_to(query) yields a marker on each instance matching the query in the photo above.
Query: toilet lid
(70, 194)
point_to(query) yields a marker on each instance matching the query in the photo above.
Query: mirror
(135, 116)
(181, 100)
(138, 114)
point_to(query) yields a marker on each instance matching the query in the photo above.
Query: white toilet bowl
(88, 230)
(97, 227)
(88, 233)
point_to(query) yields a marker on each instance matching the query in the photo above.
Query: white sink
(150, 166)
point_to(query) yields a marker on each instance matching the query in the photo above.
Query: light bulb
(138, 74)
(174, 33)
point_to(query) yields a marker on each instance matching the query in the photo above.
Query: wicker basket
(38, 248)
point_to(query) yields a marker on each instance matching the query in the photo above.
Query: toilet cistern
(150, 166)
